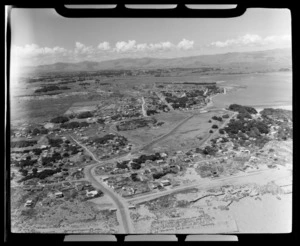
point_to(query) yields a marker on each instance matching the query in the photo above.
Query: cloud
(249, 40)
(185, 44)
(124, 46)
(34, 54)
(104, 46)
(32, 50)
(81, 49)
(133, 46)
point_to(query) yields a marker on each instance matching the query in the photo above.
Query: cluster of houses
(83, 190)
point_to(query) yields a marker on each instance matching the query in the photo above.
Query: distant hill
(254, 61)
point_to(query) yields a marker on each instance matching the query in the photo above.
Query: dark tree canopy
(59, 119)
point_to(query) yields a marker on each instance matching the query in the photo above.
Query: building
(58, 194)
(165, 182)
(91, 193)
(28, 203)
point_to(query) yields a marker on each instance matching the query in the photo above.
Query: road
(265, 175)
(143, 108)
(145, 147)
(122, 204)
(119, 202)
(162, 98)
(216, 132)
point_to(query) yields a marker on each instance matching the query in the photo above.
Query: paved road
(119, 202)
(266, 175)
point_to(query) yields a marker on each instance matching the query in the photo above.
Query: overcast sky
(41, 36)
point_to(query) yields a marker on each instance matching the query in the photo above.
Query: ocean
(258, 90)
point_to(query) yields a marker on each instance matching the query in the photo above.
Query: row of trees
(51, 88)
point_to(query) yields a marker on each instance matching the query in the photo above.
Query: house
(163, 155)
(28, 203)
(91, 193)
(165, 182)
(58, 194)
(113, 209)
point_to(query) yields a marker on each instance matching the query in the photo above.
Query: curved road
(121, 205)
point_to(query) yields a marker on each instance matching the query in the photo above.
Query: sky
(41, 36)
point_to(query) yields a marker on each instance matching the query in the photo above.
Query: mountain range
(254, 61)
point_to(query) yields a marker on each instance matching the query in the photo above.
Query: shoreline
(286, 107)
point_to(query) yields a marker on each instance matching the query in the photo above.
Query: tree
(66, 154)
(36, 131)
(211, 131)
(135, 165)
(24, 172)
(34, 170)
(214, 126)
(221, 131)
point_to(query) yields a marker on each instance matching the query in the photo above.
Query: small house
(91, 193)
(28, 203)
(58, 194)
(165, 182)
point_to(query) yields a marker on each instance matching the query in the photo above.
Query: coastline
(286, 107)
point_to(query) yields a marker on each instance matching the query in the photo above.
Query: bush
(135, 165)
(37, 151)
(158, 175)
(214, 127)
(211, 131)
(122, 164)
(59, 119)
(23, 143)
(217, 118)
(74, 124)
(66, 154)
(36, 131)
(242, 109)
(55, 142)
(221, 131)
(209, 150)
(44, 131)
(84, 115)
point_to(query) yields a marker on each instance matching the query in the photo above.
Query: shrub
(59, 119)
(242, 109)
(23, 143)
(36, 131)
(55, 142)
(217, 118)
(84, 115)
(221, 131)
